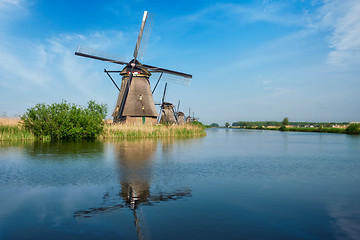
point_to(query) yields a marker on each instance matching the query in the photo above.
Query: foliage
(65, 121)
(198, 124)
(227, 124)
(255, 124)
(353, 128)
(213, 125)
(307, 129)
(282, 128)
(285, 121)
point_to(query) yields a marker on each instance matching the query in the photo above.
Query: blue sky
(250, 60)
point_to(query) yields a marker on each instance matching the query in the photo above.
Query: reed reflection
(135, 160)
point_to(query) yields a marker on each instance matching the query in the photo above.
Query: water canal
(231, 184)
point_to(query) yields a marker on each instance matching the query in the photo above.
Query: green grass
(15, 133)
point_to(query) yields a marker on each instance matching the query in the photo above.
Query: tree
(353, 128)
(227, 124)
(285, 121)
(214, 125)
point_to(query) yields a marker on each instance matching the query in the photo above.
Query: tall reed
(12, 133)
(123, 131)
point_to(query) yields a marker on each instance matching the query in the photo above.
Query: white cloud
(12, 9)
(48, 70)
(345, 38)
(340, 20)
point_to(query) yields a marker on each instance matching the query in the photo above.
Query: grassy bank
(353, 129)
(12, 130)
(303, 129)
(146, 131)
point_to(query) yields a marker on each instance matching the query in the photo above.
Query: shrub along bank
(65, 121)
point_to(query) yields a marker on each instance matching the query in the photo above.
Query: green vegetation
(213, 125)
(255, 124)
(8, 133)
(324, 127)
(70, 122)
(285, 121)
(353, 128)
(319, 129)
(282, 128)
(65, 121)
(227, 125)
(120, 131)
(198, 124)
(245, 124)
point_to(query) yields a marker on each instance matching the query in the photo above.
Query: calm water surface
(232, 184)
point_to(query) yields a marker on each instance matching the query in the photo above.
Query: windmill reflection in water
(134, 160)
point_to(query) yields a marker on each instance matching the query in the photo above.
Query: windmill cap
(137, 70)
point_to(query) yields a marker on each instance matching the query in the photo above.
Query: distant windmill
(167, 113)
(180, 116)
(135, 102)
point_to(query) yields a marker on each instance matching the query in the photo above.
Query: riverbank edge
(114, 131)
(303, 129)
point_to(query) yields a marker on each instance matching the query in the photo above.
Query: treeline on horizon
(278, 124)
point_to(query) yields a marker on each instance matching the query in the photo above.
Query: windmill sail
(138, 42)
(146, 35)
(99, 55)
(166, 77)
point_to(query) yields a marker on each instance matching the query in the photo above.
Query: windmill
(167, 113)
(135, 103)
(180, 116)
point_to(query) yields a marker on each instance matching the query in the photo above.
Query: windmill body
(138, 106)
(168, 115)
(180, 118)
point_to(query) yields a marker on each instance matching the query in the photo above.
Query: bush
(198, 124)
(65, 121)
(282, 128)
(353, 128)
